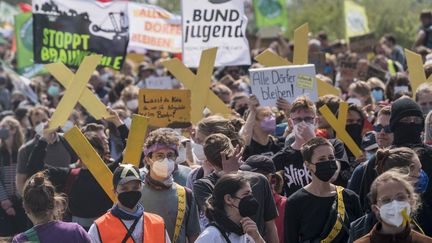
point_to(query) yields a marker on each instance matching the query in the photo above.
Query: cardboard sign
(69, 30)
(153, 28)
(287, 82)
(362, 43)
(221, 24)
(166, 108)
(319, 60)
(165, 82)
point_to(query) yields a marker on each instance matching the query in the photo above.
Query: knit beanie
(402, 108)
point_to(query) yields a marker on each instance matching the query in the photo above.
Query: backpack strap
(32, 236)
(225, 236)
(72, 177)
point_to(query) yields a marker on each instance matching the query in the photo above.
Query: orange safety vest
(112, 229)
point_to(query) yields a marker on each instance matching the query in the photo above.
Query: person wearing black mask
(406, 123)
(354, 127)
(229, 210)
(320, 211)
(127, 220)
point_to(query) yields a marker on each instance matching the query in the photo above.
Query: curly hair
(162, 136)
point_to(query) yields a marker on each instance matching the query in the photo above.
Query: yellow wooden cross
(199, 84)
(338, 124)
(300, 57)
(417, 75)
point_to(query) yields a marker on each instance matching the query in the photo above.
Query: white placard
(288, 82)
(153, 28)
(153, 82)
(215, 23)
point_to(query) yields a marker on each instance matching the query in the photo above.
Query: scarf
(122, 214)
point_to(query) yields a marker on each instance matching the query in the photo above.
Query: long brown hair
(18, 138)
(387, 159)
(41, 199)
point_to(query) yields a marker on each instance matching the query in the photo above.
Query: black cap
(125, 173)
(259, 163)
(403, 107)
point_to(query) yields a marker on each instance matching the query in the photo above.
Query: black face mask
(248, 206)
(355, 131)
(407, 133)
(129, 199)
(325, 170)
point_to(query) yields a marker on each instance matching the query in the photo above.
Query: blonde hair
(375, 82)
(362, 88)
(399, 176)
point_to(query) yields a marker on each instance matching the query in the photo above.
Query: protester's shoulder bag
(184, 196)
(335, 221)
(32, 236)
(223, 233)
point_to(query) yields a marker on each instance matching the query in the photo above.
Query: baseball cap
(125, 173)
(259, 163)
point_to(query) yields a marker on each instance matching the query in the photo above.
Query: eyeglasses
(307, 119)
(161, 156)
(379, 128)
(399, 197)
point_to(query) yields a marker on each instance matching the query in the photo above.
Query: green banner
(24, 45)
(270, 13)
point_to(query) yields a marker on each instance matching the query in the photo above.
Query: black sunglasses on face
(379, 127)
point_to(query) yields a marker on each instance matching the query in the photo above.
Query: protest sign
(270, 13)
(319, 60)
(68, 31)
(166, 108)
(356, 22)
(24, 45)
(287, 82)
(153, 28)
(362, 43)
(164, 82)
(208, 24)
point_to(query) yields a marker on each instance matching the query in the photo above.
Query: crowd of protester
(262, 174)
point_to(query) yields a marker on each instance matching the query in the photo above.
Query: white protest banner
(210, 23)
(287, 82)
(153, 28)
(164, 82)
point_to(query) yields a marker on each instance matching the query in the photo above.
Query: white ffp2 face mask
(391, 213)
(181, 155)
(39, 128)
(132, 104)
(163, 168)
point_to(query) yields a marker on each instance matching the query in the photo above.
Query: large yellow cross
(199, 84)
(417, 75)
(300, 57)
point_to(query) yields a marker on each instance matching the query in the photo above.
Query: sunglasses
(379, 128)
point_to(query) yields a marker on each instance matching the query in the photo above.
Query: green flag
(270, 13)
(24, 45)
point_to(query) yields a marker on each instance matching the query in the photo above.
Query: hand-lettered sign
(166, 108)
(287, 82)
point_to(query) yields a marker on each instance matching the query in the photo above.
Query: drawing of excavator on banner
(116, 28)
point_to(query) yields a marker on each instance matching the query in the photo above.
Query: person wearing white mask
(161, 195)
(394, 202)
(303, 119)
(129, 96)
(58, 151)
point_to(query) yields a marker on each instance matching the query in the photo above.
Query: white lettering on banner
(287, 82)
(223, 25)
(298, 177)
